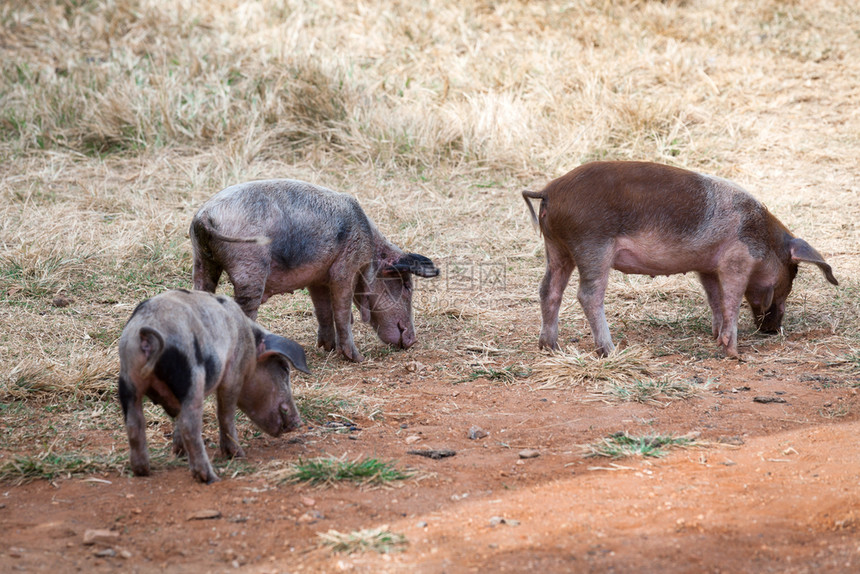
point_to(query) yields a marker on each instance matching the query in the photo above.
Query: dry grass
(380, 540)
(118, 119)
(571, 367)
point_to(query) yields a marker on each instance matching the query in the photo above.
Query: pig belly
(287, 281)
(657, 258)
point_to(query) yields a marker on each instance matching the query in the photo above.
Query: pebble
(207, 514)
(477, 432)
(308, 501)
(496, 520)
(421, 524)
(766, 400)
(415, 367)
(412, 439)
(106, 553)
(62, 301)
(311, 517)
(434, 454)
(529, 453)
(93, 536)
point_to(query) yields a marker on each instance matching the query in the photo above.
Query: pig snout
(291, 419)
(407, 335)
(771, 320)
(400, 334)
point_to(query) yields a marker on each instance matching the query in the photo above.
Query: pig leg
(135, 426)
(734, 274)
(178, 447)
(228, 394)
(249, 282)
(559, 266)
(171, 407)
(321, 297)
(205, 274)
(711, 283)
(341, 302)
(593, 279)
(190, 426)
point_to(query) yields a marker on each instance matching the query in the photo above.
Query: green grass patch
(320, 409)
(506, 375)
(327, 471)
(621, 445)
(853, 361)
(650, 391)
(379, 540)
(48, 466)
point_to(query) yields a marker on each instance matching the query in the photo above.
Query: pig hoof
(207, 477)
(326, 344)
(546, 344)
(233, 453)
(353, 355)
(605, 351)
(141, 471)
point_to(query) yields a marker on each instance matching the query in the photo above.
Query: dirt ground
(773, 488)
(119, 118)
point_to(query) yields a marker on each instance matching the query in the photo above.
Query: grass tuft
(327, 471)
(379, 540)
(649, 391)
(853, 361)
(620, 445)
(506, 375)
(49, 465)
(321, 408)
(569, 368)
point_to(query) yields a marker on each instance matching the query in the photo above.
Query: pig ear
(415, 264)
(276, 345)
(802, 252)
(768, 299)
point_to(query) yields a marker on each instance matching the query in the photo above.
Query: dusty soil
(773, 490)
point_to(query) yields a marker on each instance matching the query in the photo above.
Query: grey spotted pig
(182, 345)
(276, 236)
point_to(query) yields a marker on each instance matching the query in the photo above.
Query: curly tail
(527, 195)
(205, 224)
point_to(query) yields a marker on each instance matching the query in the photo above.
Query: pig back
(610, 199)
(305, 223)
(198, 329)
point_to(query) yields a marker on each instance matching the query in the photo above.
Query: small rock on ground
(477, 432)
(434, 454)
(100, 536)
(207, 514)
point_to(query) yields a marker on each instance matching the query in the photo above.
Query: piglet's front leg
(227, 397)
(341, 300)
(734, 272)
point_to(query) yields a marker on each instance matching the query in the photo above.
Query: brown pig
(654, 219)
(182, 345)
